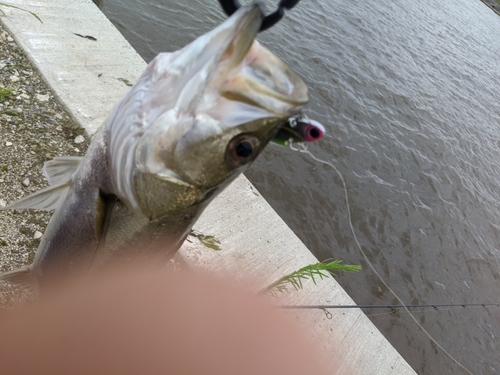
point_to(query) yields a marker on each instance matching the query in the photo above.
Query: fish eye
(242, 149)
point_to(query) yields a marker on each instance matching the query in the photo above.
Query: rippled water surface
(409, 92)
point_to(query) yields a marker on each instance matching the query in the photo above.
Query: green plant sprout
(5, 93)
(322, 270)
(24, 10)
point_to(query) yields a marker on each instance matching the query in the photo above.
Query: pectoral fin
(104, 211)
(22, 277)
(46, 199)
(60, 169)
(58, 172)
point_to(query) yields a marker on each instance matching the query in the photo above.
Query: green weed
(321, 271)
(5, 93)
(11, 112)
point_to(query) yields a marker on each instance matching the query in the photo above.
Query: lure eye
(314, 133)
(242, 149)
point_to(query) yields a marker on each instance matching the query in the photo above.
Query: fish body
(192, 123)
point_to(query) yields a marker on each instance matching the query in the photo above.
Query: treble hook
(231, 6)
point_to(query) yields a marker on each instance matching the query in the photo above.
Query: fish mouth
(249, 74)
(264, 81)
(238, 80)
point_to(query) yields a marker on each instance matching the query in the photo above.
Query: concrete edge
(257, 246)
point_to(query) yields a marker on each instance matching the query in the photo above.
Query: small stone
(23, 96)
(18, 110)
(26, 182)
(14, 78)
(76, 149)
(37, 235)
(8, 143)
(9, 39)
(42, 98)
(79, 139)
(59, 128)
(3, 203)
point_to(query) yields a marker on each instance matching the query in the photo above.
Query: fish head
(211, 107)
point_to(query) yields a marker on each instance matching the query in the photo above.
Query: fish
(195, 120)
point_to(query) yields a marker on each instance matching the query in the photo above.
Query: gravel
(34, 128)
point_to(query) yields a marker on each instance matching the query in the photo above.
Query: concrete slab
(257, 246)
(83, 73)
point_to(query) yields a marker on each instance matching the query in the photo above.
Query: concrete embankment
(88, 76)
(493, 5)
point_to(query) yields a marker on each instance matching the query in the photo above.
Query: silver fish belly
(192, 123)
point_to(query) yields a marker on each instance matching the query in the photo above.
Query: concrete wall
(256, 244)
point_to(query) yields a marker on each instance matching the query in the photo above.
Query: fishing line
(303, 149)
(424, 310)
(393, 309)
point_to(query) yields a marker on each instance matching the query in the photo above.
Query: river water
(409, 94)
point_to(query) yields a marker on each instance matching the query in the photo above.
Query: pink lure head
(309, 130)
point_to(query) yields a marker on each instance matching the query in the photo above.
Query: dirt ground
(34, 128)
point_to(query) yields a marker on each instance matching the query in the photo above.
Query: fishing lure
(299, 129)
